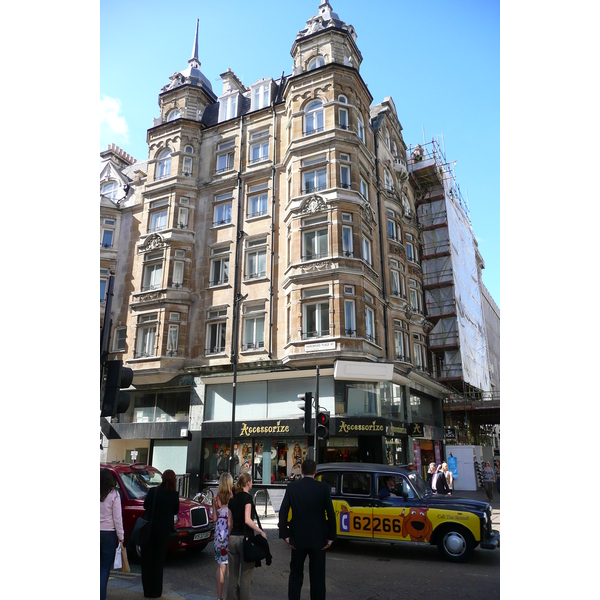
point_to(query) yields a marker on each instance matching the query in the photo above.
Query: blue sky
(439, 61)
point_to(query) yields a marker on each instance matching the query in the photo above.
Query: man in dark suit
(309, 533)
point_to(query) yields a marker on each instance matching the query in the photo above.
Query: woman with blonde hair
(220, 514)
(239, 517)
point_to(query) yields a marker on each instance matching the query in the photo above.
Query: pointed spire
(195, 47)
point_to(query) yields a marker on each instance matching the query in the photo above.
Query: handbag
(118, 564)
(252, 551)
(140, 534)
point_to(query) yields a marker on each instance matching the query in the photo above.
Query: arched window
(109, 190)
(317, 61)
(187, 160)
(342, 98)
(174, 114)
(163, 166)
(313, 119)
(386, 135)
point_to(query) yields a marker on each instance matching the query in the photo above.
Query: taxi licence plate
(201, 536)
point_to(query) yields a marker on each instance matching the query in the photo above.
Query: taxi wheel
(456, 544)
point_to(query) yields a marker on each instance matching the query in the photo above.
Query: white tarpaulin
(468, 298)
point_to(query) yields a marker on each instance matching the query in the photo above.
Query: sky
(439, 61)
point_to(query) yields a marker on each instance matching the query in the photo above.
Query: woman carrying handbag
(161, 504)
(111, 526)
(239, 520)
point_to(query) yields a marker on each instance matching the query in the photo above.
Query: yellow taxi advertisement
(384, 503)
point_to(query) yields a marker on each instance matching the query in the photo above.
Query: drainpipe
(271, 292)
(383, 266)
(237, 299)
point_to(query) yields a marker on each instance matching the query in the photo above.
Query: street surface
(355, 571)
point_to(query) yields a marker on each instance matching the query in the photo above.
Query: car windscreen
(138, 483)
(419, 484)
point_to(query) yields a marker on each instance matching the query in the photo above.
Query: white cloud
(111, 118)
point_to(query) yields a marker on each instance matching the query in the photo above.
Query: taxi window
(331, 480)
(407, 490)
(356, 484)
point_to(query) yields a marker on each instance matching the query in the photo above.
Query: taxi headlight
(176, 519)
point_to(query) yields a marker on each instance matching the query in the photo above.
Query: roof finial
(195, 48)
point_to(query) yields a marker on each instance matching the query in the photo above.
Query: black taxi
(407, 511)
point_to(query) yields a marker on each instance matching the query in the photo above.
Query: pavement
(128, 586)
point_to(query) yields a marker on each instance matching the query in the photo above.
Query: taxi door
(389, 513)
(354, 505)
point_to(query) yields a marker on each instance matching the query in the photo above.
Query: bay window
(313, 118)
(314, 180)
(350, 317)
(163, 165)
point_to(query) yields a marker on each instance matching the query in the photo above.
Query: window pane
(107, 238)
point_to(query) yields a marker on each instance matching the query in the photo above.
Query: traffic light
(114, 401)
(307, 408)
(323, 424)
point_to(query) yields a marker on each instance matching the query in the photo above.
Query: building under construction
(465, 337)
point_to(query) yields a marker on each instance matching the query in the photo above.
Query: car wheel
(456, 544)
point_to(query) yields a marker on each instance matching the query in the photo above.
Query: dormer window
(174, 114)
(317, 61)
(261, 95)
(109, 190)
(228, 107)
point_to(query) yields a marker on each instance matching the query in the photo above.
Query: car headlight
(176, 519)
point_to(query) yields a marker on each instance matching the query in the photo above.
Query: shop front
(271, 451)
(369, 439)
(428, 447)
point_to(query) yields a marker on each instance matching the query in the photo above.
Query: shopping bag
(118, 564)
(126, 568)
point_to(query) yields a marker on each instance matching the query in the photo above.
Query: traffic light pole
(106, 324)
(316, 439)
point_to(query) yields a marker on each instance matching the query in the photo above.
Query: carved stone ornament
(313, 204)
(408, 311)
(426, 325)
(314, 267)
(368, 213)
(152, 242)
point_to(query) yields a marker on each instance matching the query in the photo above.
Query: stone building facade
(267, 247)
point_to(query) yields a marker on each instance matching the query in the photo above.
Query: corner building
(273, 230)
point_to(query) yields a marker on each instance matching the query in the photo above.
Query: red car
(193, 524)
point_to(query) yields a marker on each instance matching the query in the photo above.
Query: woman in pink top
(111, 526)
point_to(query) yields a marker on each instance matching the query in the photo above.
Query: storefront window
(290, 455)
(141, 408)
(172, 406)
(282, 459)
(362, 399)
(391, 400)
(395, 452)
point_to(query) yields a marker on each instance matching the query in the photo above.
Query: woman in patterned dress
(221, 542)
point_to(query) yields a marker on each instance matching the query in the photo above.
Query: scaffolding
(450, 269)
